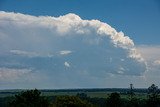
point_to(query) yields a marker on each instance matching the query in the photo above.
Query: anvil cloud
(66, 48)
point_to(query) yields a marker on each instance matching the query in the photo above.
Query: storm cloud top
(64, 49)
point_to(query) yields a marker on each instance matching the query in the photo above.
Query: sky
(79, 44)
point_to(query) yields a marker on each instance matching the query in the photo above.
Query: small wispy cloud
(30, 54)
(24, 53)
(66, 64)
(65, 52)
(157, 62)
(11, 74)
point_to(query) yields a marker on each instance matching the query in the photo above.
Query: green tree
(70, 101)
(29, 98)
(134, 102)
(114, 100)
(153, 96)
(82, 96)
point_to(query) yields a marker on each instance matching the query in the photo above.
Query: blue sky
(139, 18)
(79, 43)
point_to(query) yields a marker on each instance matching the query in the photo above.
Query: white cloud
(30, 54)
(65, 52)
(120, 72)
(66, 64)
(69, 24)
(122, 59)
(24, 53)
(11, 75)
(157, 62)
(89, 45)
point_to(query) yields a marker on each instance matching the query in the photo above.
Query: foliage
(29, 98)
(153, 91)
(114, 100)
(70, 101)
(153, 94)
(98, 102)
(82, 96)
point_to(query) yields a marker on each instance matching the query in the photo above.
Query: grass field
(99, 93)
(92, 94)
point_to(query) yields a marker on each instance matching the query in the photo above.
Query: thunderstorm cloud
(65, 49)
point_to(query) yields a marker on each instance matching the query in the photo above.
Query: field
(98, 93)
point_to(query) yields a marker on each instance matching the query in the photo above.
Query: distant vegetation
(130, 98)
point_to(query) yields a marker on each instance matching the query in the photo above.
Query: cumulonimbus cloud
(94, 47)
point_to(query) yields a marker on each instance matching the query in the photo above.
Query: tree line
(33, 98)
